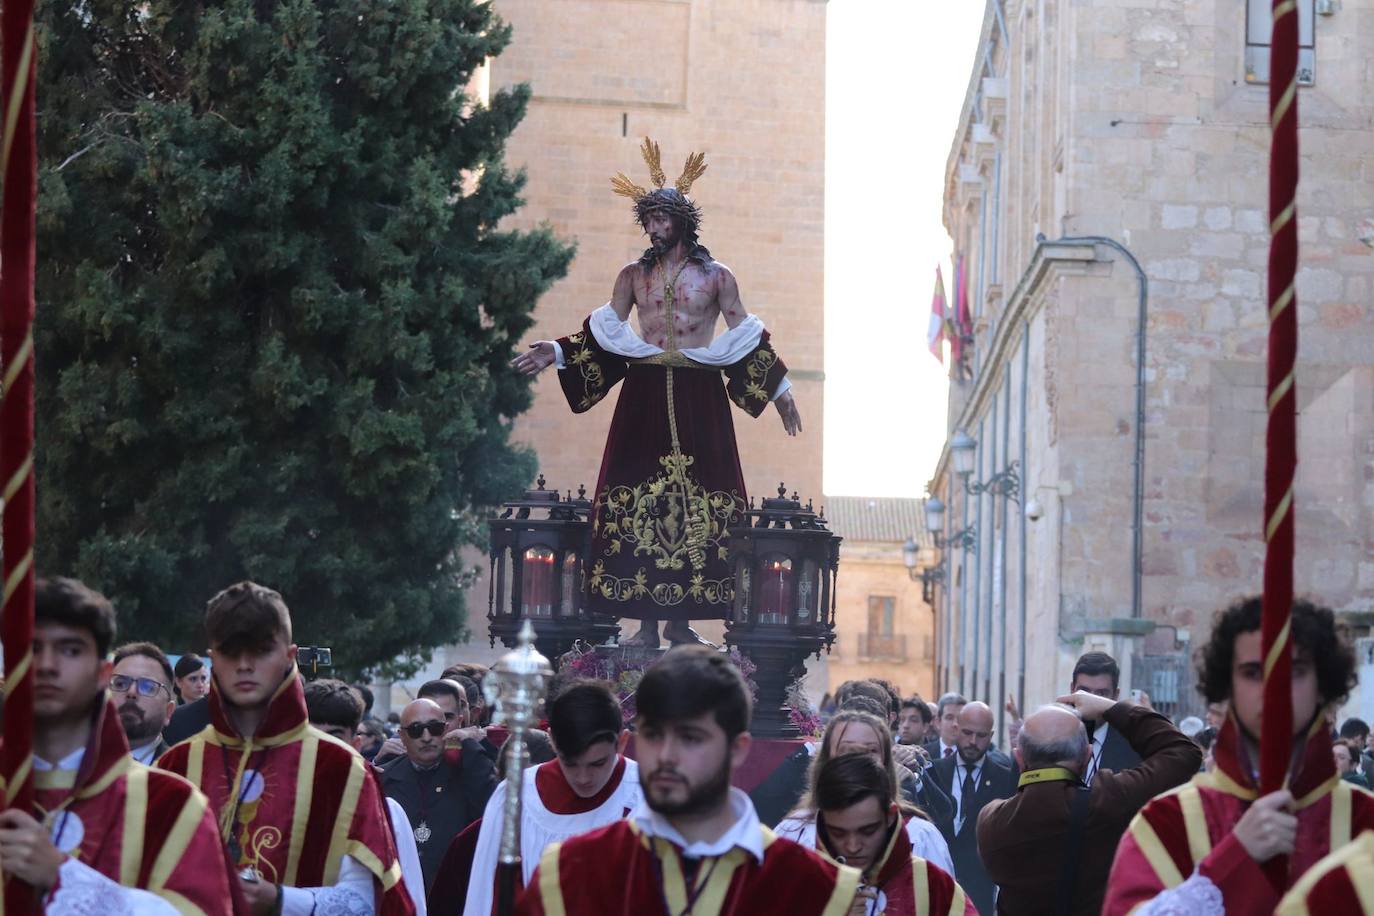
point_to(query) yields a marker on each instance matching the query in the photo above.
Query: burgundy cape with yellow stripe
(1342, 884)
(140, 827)
(619, 871)
(910, 885)
(670, 487)
(309, 799)
(1189, 829)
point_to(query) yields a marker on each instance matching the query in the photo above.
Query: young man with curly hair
(1202, 848)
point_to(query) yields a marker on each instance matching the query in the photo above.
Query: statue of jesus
(670, 487)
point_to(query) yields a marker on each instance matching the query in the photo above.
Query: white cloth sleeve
(619, 337)
(484, 857)
(559, 362)
(1197, 896)
(352, 895)
(929, 843)
(83, 891)
(409, 855)
(784, 385)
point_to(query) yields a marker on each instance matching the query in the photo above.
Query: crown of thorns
(673, 201)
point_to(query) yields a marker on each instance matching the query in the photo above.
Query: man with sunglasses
(441, 791)
(141, 688)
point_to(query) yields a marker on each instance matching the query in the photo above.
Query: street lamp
(929, 577)
(1006, 482)
(962, 447)
(935, 515)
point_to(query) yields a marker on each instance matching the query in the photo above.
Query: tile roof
(878, 518)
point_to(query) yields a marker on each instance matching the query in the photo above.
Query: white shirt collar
(70, 762)
(145, 753)
(951, 747)
(746, 832)
(1100, 733)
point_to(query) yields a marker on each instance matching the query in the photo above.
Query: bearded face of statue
(664, 231)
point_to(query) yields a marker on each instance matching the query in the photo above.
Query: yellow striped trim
(368, 859)
(343, 823)
(16, 481)
(1278, 649)
(1195, 822)
(300, 816)
(21, 670)
(1155, 853)
(920, 882)
(21, 569)
(121, 767)
(226, 817)
(550, 884)
(1280, 511)
(1285, 103)
(195, 763)
(178, 839)
(959, 902)
(1281, 389)
(1316, 794)
(1284, 8)
(21, 86)
(1282, 302)
(1283, 219)
(181, 904)
(21, 776)
(54, 779)
(1355, 857)
(17, 363)
(1340, 815)
(135, 814)
(842, 898)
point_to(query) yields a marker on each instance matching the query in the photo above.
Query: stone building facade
(883, 621)
(742, 81)
(1096, 136)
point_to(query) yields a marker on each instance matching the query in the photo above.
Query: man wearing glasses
(141, 688)
(442, 791)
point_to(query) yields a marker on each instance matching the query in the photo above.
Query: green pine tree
(276, 309)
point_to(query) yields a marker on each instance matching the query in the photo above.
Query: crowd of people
(236, 785)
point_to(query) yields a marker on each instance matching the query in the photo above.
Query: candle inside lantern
(776, 591)
(537, 583)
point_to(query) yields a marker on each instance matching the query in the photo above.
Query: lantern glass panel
(777, 590)
(569, 605)
(537, 588)
(807, 591)
(505, 581)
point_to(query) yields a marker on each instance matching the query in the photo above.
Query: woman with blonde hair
(853, 732)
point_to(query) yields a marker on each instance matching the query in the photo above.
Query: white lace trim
(619, 337)
(83, 891)
(1197, 896)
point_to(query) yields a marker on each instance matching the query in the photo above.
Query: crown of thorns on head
(672, 201)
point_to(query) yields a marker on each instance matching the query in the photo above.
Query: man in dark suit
(1050, 848)
(972, 778)
(441, 790)
(943, 737)
(1098, 673)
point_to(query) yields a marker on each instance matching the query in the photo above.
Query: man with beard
(100, 819)
(1202, 849)
(142, 690)
(670, 487)
(694, 844)
(302, 818)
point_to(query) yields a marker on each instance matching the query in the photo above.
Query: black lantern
(786, 561)
(537, 550)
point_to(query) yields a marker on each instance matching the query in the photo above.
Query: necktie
(966, 793)
(949, 751)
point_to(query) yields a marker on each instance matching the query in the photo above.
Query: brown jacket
(1022, 840)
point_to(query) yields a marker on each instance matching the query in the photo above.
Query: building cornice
(1048, 261)
(975, 83)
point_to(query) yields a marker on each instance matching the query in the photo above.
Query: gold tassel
(653, 159)
(691, 171)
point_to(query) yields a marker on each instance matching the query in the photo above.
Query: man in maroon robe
(694, 844)
(107, 833)
(670, 487)
(1203, 848)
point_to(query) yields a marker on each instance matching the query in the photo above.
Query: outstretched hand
(536, 359)
(787, 408)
